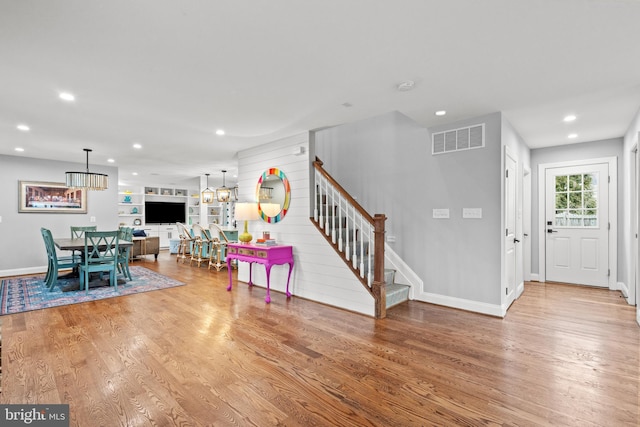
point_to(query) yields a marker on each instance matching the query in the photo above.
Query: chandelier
(207, 193)
(223, 193)
(88, 180)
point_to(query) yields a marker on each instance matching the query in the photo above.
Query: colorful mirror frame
(287, 195)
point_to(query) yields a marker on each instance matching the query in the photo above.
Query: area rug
(27, 293)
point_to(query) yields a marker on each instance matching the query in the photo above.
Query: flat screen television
(164, 212)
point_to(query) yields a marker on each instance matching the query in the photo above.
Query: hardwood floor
(199, 355)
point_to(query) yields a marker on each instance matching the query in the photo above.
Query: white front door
(577, 224)
(510, 223)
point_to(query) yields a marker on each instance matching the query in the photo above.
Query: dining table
(77, 244)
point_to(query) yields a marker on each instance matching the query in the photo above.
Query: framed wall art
(51, 197)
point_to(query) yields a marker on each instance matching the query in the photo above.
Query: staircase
(358, 238)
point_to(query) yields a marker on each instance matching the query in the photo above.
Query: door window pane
(576, 199)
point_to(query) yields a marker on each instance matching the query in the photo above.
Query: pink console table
(267, 255)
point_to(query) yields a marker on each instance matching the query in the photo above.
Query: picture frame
(50, 197)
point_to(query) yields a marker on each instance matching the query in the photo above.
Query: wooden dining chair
(126, 233)
(54, 262)
(101, 254)
(77, 232)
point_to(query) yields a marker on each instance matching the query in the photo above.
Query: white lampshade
(247, 212)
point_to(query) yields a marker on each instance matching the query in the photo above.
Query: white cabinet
(131, 209)
(164, 232)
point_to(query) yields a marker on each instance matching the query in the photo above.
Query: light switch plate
(472, 213)
(441, 213)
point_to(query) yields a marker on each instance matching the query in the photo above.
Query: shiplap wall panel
(319, 273)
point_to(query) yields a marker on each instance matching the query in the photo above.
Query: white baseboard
(519, 290)
(23, 271)
(622, 288)
(535, 277)
(463, 304)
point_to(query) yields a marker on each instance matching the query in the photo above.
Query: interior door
(577, 224)
(510, 223)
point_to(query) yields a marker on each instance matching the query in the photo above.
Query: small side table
(267, 255)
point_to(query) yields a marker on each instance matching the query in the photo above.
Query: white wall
(630, 140)
(319, 273)
(26, 253)
(386, 163)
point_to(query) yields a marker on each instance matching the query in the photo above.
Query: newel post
(378, 286)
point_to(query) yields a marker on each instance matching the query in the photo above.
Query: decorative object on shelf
(88, 180)
(134, 211)
(276, 186)
(223, 193)
(246, 212)
(207, 194)
(127, 199)
(137, 221)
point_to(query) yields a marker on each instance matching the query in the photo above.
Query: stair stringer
(404, 274)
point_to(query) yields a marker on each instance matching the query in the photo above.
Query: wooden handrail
(378, 286)
(318, 165)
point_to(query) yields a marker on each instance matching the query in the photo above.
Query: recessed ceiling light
(347, 105)
(67, 96)
(23, 127)
(135, 173)
(20, 149)
(572, 136)
(441, 113)
(111, 160)
(569, 118)
(405, 86)
(220, 132)
(137, 146)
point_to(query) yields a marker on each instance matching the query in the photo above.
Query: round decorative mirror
(273, 194)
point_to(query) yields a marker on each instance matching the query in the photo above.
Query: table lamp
(246, 212)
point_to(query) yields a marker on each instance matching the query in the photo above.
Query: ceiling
(167, 74)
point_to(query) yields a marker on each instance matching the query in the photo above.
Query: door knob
(551, 231)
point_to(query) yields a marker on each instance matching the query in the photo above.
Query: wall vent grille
(466, 138)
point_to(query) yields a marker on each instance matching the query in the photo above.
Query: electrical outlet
(92, 219)
(391, 239)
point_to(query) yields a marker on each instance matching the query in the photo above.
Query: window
(576, 200)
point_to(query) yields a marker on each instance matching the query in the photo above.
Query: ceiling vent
(460, 139)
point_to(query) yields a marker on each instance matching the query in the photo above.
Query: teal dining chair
(55, 263)
(77, 232)
(124, 254)
(101, 254)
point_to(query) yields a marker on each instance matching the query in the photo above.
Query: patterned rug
(27, 293)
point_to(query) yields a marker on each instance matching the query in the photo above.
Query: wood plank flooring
(198, 355)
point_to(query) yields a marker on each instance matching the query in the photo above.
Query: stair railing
(355, 235)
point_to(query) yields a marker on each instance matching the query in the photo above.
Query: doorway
(511, 206)
(578, 232)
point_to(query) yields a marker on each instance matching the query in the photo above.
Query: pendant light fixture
(207, 194)
(88, 180)
(223, 193)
